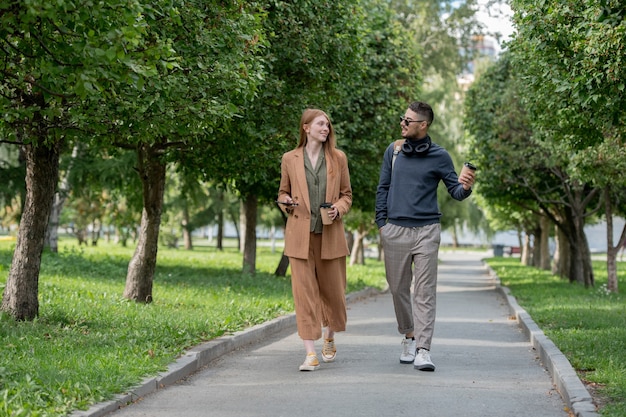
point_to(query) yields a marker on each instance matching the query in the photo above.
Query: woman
(313, 174)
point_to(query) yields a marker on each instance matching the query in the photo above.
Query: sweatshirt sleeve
(455, 188)
(382, 191)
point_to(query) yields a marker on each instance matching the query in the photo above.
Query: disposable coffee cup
(324, 209)
(468, 166)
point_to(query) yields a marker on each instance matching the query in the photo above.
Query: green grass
(587, 325)
(89, 343)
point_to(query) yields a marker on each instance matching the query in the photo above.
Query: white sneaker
(422, 361)
(408, 351)
(311, 363)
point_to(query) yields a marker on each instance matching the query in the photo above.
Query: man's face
(413, 125)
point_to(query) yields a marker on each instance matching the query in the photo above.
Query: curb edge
(564, 377)
(201, 355)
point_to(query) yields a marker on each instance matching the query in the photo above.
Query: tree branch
(10, 142)
(49, 52)
(30, 80)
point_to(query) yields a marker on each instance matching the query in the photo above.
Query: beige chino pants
(411, 255)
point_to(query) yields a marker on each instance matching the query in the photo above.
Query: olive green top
(316, 182)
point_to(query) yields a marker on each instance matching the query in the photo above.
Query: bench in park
(513, 250)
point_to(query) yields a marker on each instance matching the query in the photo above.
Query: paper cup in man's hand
(468, 166)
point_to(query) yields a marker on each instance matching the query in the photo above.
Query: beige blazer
(338, 192)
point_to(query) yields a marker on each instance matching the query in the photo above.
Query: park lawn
(587, 324)
(89, 343)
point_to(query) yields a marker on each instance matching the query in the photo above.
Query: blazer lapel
(303, 189)
(331, 185)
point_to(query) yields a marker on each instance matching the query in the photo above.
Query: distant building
(484, 47)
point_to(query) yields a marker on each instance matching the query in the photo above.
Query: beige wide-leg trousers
(319, 287)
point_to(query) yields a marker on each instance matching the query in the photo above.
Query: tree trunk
(580, 269)
(187, 240)
(235, 221)
(611, 250)
(52, 231)
(526, 257)
(357, 254)
(243, 226)
(220, 224)
(281, 269)
(571, 224)
(455, 236)
(520, 238)
(96, 230)
(544, 243)
(249, 236)
(535, 246)
(143, 263)
(562, 256)
(20, 298)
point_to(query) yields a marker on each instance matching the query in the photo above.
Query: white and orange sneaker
(311, 363)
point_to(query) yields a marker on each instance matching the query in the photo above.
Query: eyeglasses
(407, 122)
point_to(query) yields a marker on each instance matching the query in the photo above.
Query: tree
(570, 58)
(182, 110)
(368, 121)
(58, 59)
(528, 174)
(605, 164)
(447, 32)
(498, 128)
(314, 48)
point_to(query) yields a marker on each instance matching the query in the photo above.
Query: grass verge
(587, 325)
(89, 343)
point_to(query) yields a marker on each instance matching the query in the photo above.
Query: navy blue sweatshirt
(408, 195)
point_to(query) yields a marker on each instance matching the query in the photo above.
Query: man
(407, 215)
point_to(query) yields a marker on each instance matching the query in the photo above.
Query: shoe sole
(425, 368)
(309, 368)
(406, 362)
(328, 360)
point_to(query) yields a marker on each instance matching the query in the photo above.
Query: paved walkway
(488, 364)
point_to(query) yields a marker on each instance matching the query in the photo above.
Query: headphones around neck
(419, 147)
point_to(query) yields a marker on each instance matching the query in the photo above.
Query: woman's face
(318, 130)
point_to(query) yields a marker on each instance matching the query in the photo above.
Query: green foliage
(446, 33)
(89, 344)
(60, 54)
(367, 118)
(573, 63)
(500, 144)
(548, 121)
(101, 188)
(587, 325)
(314, 48)
(12, 174)
(569, 55)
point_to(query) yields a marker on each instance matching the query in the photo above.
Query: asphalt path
(487, 365)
